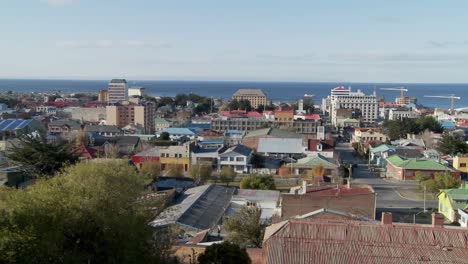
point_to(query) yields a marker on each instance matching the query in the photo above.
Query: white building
(237, 157)
(400, 113)
(45, 109)
(266, 200)
(117, 90)
(136, 91)
(367, 104)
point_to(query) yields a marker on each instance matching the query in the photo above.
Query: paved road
(386, 189)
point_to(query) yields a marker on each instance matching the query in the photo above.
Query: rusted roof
(342, 190)
(321, 241)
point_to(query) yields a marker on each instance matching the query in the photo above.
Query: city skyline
(363, 41)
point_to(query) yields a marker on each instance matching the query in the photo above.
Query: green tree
(151, 169)
(200, 172)
(452, 145)
(244, 227)
(244, 104)
(175, 170)
(164, 136)
(90, 213)
(227, 174)
(39, 157)
(224, 253)
(233, 105)
(258, 182)
(440, 181)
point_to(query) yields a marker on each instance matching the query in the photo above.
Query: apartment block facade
(256, 97)
(121, 115)
(117, 91)
(367, 104)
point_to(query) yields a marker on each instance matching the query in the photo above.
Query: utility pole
(425, 210)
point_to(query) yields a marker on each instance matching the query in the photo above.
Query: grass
(415, 194)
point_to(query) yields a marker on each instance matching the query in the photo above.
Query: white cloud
(61, 2)
(108, 44)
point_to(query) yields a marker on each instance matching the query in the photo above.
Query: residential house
(211, 144)
(199, 208)
(411, 142)
(176, 133)
(238, 157)
(119, 145)
(64, 127)
(20, 126)
(307, 164)
(281, 147)
(233, 137)
(103, 130)
(463, 219)
(161, 124)
(355, 241)
(460, 163)
(177, 155)
(356, 199)
(266, 200)
(379, 154)
(368, 134)
(149, 155)
(402, 168)
(450, 200)
(323, 147)
(252, 138)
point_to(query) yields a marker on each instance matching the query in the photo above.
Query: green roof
(314, 161)
(458, 197)
(349, 120)
(382, 148)
(416, 164)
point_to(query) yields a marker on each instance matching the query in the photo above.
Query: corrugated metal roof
(14, 124)
(280, 145)
(320, 241)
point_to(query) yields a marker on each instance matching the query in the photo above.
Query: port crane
(401, 89)
(452, 98)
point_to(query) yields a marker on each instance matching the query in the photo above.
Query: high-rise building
(117, 91)
(103, 96)
(256, 97)
(367, 104)
(123, 114)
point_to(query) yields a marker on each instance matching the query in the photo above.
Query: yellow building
(460, 163)
(103, 96)
(256, 97)
(176, 155)
(450, 200)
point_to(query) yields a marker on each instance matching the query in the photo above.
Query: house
(450, 200)
(233, 137)
(379, 154)
(307, 164)
(463, 219)
(281, 147)
(85, 152)
(353, 241)
(160, 124)
(460, 163)
(20, 126)
(199, 208)
(211, 144)
(149, 155)
(177, 155)
(368, 134)
(238, 157)
(176, 133)
(122, 145)
(402, 168)
(266, 200)
(64, 127)
(252, 138)
(103, 130)
(414, 143)
(323, 147)
(357, 200)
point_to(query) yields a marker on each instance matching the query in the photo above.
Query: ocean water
(287, 91)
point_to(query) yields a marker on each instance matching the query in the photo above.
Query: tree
(452, 145)
(200, 172)
(175, 170)
(244, 104)
(227, 174)
(258, 182)
(233, 105)
(164, 136)
(111, 151)
(39, 157)
(80, 138)
(440, 181)
(260, 108)
(244, 227)
(151, 169)
(89, 213)
(224, 253)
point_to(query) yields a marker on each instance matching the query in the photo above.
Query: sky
(242, 40)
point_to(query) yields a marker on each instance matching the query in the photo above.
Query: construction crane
(401, 89)
(452, 98)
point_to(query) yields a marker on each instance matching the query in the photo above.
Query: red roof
(348, 241)
(327, 145)
(339, 88)
(86, 152)
(240, 113)
(285, 111)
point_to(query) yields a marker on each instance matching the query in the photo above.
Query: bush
(258, 182)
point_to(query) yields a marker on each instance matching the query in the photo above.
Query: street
(386, 189)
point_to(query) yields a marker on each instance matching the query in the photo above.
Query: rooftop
(313, 161)
(416, 164)
(280, 145)
(14, 124)
(118, 81)
(249, 92)
(273, 132)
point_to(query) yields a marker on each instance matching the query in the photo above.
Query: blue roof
(233, 132)
(14, 124)
(202, 126)
(212, 141)
(447, 124)
(179, 131)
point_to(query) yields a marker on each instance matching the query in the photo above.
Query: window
(240, 159)
(462, 165)
(231, 158)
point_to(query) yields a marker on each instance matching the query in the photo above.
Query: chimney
(387, 218)
(437, 220)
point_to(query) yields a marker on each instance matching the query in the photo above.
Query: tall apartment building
(337, 91)
(117, 91)
(256, 97)
(121, 115)
(356, 100)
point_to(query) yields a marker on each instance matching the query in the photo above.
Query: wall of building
(89, 114)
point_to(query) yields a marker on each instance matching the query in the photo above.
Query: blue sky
(259, 40)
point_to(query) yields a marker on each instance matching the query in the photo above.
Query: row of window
(232, 158)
